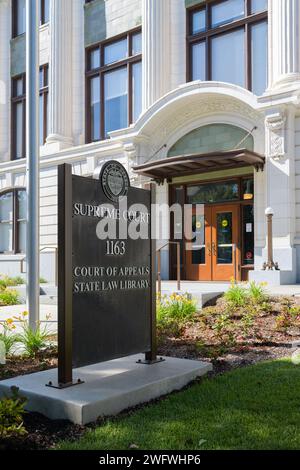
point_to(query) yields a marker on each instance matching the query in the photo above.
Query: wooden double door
(212, 243)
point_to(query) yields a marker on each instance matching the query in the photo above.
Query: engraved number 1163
(115, 248)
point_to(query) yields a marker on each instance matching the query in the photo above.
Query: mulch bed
(198, 340)
(274, 329)
(16, 366)
(43, 433)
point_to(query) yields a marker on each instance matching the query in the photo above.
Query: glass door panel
(248, 235)
(224, 238)
(212, 251)
(198, 244)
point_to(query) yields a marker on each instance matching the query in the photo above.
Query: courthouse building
(201, 96)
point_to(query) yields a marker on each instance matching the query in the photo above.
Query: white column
(60, 82)
(78, 72)
(5, 33)
(156, 50)
(280, 173)
(178, 43)
(284, 40)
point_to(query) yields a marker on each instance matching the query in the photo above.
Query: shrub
(289, 316)
(266, 307)
(257, 292)
(236, 295)
(18, 280)
(6, 281)
(11, 415)
(222, 323)
(283, 322)
(9, 297)
(173, 311)
(176, 306)
(247, 322)
(8, 336)
(43, 280)
(33, 340)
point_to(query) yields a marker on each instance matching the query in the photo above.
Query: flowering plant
(8, 335)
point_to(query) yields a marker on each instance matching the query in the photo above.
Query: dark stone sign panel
(111, 282)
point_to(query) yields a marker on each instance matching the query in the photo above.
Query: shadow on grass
(255, 407)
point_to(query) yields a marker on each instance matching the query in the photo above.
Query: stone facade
(172, 108)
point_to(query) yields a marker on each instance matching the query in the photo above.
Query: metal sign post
(151, 356)
(32, 161)
(107, 286)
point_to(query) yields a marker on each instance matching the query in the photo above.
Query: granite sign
(106, 298)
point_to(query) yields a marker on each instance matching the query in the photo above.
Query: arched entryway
(210, 172)
(221, 216)
(205, 134)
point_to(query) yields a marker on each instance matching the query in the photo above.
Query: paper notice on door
(248, 228)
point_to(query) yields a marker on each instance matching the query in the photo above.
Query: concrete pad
(109, 387)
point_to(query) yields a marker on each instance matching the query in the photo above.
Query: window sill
(17, 36)
(12, 257)
(18, 159)
(41, 28)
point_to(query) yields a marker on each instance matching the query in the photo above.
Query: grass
(255, 407)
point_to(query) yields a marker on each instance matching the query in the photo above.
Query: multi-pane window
(227, 42)
(43, 116)
(18, 146)
(44, 11)
(13, 221)
(19, 15)
(114, 85)
(18, 117)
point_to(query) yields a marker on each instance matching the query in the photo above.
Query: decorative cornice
(275, 122)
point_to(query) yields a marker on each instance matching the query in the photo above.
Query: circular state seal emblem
(114, 180)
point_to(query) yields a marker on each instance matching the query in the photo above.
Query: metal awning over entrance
(186, 165)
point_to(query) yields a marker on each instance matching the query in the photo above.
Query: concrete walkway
(202, 291)
(284, 290)
(45, 311)
(205, 291)
(195, 286)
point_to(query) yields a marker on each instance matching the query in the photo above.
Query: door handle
(209, 249)
(214, 249)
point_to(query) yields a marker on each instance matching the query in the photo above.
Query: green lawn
(256, 407)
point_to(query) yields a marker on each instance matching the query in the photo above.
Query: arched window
(13, 221)
(211, 138)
